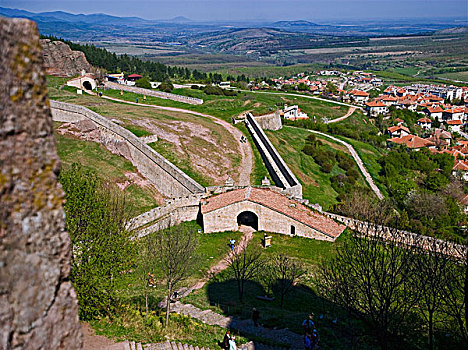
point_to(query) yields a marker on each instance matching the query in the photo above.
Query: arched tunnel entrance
(87, 85)
(248, 218)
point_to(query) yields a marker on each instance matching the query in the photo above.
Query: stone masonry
(38, 307)
(169, 179)
(155, 93)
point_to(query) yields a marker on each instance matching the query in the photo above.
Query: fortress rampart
(167, 178)
(160, 94)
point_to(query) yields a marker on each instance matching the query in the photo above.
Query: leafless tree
(369, 276)
(287, 273)
(456, 292)
(245, 263)
(431, 276)
(175, 255)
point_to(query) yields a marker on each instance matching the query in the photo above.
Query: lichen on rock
(38, 307)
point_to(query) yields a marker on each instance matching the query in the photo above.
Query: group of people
(229, 341)
(243, 139)
(311, 337)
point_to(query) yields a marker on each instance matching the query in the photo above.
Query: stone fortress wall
(270, 121)
(279, 171)
(175, 211)
(147, 92)
(405, 237)
(167, 178)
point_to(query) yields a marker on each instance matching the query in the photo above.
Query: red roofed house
(460, 169)
(266, 210)
(434, 112)
(374, 108)
(453, 114)
(398, 131)
(412, 141)
(134, 77)
(359, 96)
(454, 125)
(424, 123)
(390, 100)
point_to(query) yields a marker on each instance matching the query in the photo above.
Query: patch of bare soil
(91, 341)
(139, 180)
(207, 153)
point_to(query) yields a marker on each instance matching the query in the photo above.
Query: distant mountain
(454, 30)
(98, 18)
(294, 24)
(180, 19)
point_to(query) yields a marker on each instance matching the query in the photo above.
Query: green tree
(166, 87)
(101, 247)
(143, 83)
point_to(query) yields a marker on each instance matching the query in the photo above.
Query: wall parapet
(392, 234)
(169, 179)
(160, 94)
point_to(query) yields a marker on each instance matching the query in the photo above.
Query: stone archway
(248, 218)
(87, 85)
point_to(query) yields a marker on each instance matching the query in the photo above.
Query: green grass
(132, 325)
(221, 295)
(107, 165)
(226, 107)
(316, 185)
(137, 131)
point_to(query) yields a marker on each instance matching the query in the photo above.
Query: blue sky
(315, 10)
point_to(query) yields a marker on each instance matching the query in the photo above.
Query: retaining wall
(168, 179)
(147, 92)
(173, 213)
(270, 121)
(279, 171)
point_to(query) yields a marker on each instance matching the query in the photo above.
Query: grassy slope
(108, 166)
(316, 186)
(221, 293)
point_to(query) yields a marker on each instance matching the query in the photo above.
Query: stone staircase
(167, 345)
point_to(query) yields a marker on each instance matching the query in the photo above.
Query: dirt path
(224, 263)
(246, 165)
(91, 341)
(350, 111)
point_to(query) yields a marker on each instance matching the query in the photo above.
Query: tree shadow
(336, 328)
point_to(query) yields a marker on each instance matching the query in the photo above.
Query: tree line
(155, 71)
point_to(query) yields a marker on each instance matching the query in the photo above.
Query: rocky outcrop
(61, 61)
(38, 307)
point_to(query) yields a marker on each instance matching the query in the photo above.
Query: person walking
(232, 242)
(227, 338)
(307, 341)
(255, 316)
(308, 324)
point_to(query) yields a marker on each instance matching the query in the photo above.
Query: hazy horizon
(266, 10)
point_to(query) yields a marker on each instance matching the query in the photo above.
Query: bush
(143, 83)
(229, 92)
(213, 90)
(327, 168)
(166, 87)
(310, 150)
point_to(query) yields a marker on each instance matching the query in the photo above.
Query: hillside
(60, 60)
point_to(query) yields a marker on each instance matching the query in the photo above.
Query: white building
(293, 113)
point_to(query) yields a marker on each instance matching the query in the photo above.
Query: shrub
(213, 90)
(143, 83)
(327, 168)
(166, 87)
